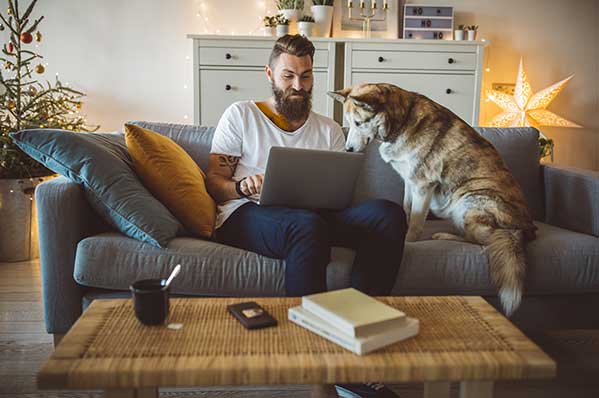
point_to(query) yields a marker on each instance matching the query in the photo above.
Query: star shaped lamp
(525, 108)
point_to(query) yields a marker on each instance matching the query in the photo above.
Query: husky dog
(450, 169)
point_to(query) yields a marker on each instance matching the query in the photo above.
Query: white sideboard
(231, 68)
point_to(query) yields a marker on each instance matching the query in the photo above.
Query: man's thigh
(262, 229)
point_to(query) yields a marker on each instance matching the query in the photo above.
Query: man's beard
(292, 108)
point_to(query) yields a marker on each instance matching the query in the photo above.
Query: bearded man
(247, 130)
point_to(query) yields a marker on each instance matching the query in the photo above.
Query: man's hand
(252, 185)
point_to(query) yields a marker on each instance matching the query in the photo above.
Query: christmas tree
(24, 101)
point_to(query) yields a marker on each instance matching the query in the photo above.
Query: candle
(350, 4)
(373, 4)
(362, 5)
(385, 5)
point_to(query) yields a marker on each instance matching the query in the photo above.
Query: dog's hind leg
(421, 201)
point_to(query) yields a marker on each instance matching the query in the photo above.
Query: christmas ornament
(78, 106)
(10, 48)
(32, 91)
(7, 65)
(38, 36)
(26, 37)
(525, 108)
(40, 68)
(10, 104)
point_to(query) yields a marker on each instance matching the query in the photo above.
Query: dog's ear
(340, 95)
(383, 126)
(370, 101)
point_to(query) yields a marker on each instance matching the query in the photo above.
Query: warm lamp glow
(525, 108)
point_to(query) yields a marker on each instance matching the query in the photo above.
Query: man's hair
(296, 45)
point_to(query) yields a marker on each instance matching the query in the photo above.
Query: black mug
(150, 301)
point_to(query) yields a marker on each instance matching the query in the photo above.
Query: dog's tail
(507, 263)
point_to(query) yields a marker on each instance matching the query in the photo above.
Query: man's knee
(388, 215)
(308, 224)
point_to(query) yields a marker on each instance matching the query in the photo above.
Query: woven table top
(461, 338)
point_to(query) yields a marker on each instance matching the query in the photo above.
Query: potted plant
(305, 25)
(322, 11)
(472, 30)
(26, 103)
(291, 9)
(270, 25)
(282, 25)
(458, 34)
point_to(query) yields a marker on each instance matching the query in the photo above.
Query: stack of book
(353, 320)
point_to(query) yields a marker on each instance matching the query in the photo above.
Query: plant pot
(18, 229)
(323, 17)
(269, 30)
(291, 15)
(458, 35)
(282, 30)
(472, 35)
(305, 28)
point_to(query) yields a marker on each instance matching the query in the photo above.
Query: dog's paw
(412, 236)
(446, 236)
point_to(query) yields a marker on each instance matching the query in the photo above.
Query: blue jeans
(375, 229)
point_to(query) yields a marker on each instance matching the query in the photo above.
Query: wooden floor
(24, 346)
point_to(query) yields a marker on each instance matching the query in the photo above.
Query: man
(303, 238)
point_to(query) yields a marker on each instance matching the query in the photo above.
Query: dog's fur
(450, 169)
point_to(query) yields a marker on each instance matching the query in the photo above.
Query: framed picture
(390, 28)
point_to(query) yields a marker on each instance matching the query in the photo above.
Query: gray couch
(83, 259)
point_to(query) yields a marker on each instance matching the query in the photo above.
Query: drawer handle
(381, 59)
(228, 87)
(451, 60)
(449, 91)
(228, 56)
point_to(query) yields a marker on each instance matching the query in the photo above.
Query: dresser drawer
(455, 92)
(219, 56)
(363, 59)
(222, 88)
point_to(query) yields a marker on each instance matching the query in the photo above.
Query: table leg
(476, 389)
(132, 393)
(437, 389)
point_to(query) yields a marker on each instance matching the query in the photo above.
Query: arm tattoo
(228, 161)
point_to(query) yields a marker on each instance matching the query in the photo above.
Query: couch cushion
(559, 262)
(100, 163)
(519, 149)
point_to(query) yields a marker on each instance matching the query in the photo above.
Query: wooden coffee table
(461, 339)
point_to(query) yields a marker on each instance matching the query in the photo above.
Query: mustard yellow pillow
(172, 176)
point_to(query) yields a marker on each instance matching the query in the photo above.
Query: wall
(134, 62)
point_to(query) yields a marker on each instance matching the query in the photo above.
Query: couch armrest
(572, 198)
(64, 218)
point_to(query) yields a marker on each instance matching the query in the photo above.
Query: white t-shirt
(245, 132)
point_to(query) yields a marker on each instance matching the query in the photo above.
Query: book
(358, 345)
(353, 312)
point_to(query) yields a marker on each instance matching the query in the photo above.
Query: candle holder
(367, 14)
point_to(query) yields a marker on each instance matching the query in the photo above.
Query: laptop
(309, 178)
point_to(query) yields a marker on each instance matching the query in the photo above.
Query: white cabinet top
(346, 40)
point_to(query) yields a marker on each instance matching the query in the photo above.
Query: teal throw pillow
(101, 163)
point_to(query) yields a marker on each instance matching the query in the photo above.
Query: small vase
(282, 30)
(458, 35)
(292, 15)
(305, 28)
(323, 16)
(472, 35)
(269, 30)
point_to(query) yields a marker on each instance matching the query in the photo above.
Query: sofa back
(518, 148)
